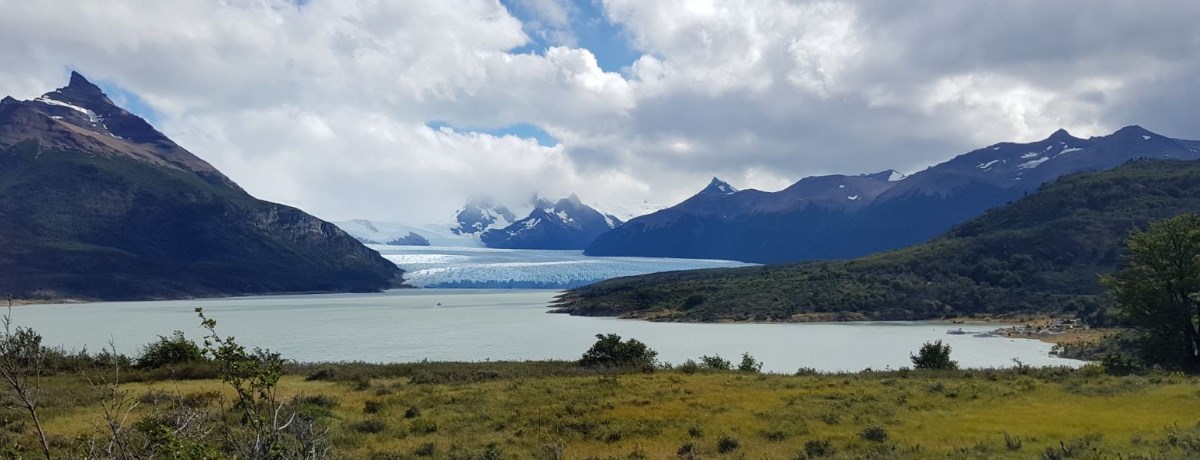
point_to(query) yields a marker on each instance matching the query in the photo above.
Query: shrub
(817, 448)
(1118, 364)
(1012, 443)
(412, 412)
(372, 407)
(175, 349)
(323, 401)
(749, 364)
(610, 351)
(695, 431)
(716, 362)
(687, 450)
(874, 433)
(426, 450)
(727, 444)
(369, 426)
(933, 355)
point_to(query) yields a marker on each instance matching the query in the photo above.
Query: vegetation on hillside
(75, 225)
(1158, 292)
(1043, 254)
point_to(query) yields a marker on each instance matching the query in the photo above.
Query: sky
(399, 110)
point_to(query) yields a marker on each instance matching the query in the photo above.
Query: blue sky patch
(129, 101)
(591, 29)
(522, 130)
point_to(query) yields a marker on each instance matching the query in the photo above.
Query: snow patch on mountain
(1033, 164)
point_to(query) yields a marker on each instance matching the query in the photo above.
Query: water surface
(477, 325)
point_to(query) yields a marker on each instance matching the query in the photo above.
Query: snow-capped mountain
(566, 224)
(481, 214)
(833, 217)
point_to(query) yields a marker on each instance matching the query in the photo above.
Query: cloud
(326, 104)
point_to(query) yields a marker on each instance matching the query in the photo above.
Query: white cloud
(325, 105)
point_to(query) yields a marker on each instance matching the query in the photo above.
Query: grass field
(556, 410)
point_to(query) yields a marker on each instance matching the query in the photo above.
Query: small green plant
(933, 355)
(695, 431)
(1012, 443)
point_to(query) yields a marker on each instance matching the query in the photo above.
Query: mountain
(567, 224)
(722, 222)
(1041, 254)
(839, 217)
(481, 214)
(97, 204)
(411, 239)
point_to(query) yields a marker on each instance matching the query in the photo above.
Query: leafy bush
(610, 351)
(716, 363)
(167, 351)
(933, 355)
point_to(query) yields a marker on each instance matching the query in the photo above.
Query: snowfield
(461, 267)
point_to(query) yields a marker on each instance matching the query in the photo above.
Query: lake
(476, 325)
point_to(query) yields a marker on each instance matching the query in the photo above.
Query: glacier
(477, 267)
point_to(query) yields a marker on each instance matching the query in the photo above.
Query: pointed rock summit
(719, 186)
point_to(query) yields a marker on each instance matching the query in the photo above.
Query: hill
(1040, 254)
(97, 204)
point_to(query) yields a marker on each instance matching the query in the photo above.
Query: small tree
(1158, 292)
(22, 363)
(610, 351)
(933, 355)
(716, 363)
(749, 364)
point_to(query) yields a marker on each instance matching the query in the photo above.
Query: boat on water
(956, 331)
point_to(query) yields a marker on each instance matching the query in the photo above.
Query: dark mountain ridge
(839, 217)
(97, 204)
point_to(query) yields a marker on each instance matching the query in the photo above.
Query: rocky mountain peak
(719, 186)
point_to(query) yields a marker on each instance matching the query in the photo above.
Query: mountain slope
(814, 220)
(567, 224)
(97, 204)
(721, 222)
(1040, 254)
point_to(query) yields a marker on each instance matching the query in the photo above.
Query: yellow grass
(964, 415)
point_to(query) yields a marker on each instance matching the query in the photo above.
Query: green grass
(534, 410)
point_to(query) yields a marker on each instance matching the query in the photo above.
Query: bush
(716, 363)
(727, 444)
(372, 407)
(874, 433)
(370, 426)
(610, 351)
(1118, 364)
(933, 355)
(817, 448)
(749, 364)
(175, 349)
(412, 412)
